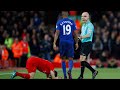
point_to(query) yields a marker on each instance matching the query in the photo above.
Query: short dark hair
(56, 73)
(65, 13)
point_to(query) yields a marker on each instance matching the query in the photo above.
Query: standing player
(65, 29)
(36, 63)
(86, 38)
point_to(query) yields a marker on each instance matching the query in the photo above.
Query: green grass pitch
(104, 73)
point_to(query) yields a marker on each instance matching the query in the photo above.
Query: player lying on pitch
(35, 63)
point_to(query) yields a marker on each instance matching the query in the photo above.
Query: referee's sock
(88, 66)
(64, 68)
(82, 69)
(70, 64)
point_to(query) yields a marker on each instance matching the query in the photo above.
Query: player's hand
(54, 46)
(80, 38)
(76, 46)
(59, 77)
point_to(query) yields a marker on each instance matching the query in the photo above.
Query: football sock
(64, 68)
(70, 64)
(88, 66)
(23, 75)
(82, 68)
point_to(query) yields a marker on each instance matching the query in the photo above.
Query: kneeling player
(35, 63)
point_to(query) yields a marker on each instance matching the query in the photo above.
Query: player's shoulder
(90, 24)
(59, 21)
(69, 19)
(62, 19)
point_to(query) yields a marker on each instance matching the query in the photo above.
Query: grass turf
(104, 73)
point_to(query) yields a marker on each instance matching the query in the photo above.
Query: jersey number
(66, 29)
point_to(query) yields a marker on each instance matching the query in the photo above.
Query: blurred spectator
(47, 47)
(36, 20)
(99, 64)
(116, 48)
(0, 53)
(103, 21)
(104, 57)
(5, 53)
(112, 63)
(112, 41)
(34, 47)
(1, 34)
(24, 33)
(97, 48)
(17, 51)
(34, 25)
(25, 51)
(106, 44)
(8, 42)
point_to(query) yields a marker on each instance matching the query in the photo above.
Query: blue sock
(70, 65)
(64, 68)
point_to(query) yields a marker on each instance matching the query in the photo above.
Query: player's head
(65, 14)
(55, 73)
(85, 16)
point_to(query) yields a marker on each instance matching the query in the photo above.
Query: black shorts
(86, 48)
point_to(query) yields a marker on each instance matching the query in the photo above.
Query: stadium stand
(38, 27)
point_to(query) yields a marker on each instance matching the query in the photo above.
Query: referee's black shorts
(86, 48)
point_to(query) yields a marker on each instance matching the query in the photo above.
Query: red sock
(23, 75)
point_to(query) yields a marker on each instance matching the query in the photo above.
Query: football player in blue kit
(66, 31)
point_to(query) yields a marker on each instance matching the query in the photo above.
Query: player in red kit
(35, 63)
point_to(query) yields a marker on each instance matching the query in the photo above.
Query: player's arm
(89, 33)
(75, 35)
(85, 36)
(76, 39)
(53, 75)
(55, 38)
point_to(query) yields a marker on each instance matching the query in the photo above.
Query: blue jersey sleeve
(58, 25)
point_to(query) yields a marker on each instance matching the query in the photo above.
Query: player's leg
(84, 64)
(86, 48)
(62, 55)
(64, 68)
(13, 74)
(82, 59)
(70, 55)
(23, 75)
(31, 71)
(70, 65)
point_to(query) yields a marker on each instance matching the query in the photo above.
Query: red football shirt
(42, 65)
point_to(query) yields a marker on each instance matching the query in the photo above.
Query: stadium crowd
(25, 33)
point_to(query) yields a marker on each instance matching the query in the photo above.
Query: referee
(86, 38)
